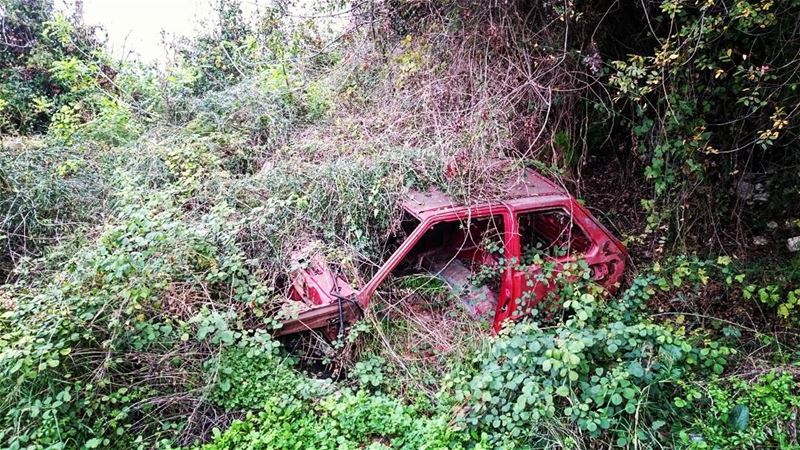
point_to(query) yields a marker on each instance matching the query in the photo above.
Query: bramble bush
(605, 370)
(47, 192)
(154, 297)
(709, 103)
(605, 373)
(163, 310)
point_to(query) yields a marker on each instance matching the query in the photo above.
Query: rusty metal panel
(528, 185)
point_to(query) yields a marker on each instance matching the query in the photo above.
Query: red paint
(315, 284)
(527, 193)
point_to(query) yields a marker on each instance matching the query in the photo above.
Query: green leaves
(747, 413)
(740, 417)
(595, 371)
(697, 96)
(636, 369)
(93, 443)
(155, 296)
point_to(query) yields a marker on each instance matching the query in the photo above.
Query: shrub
(48, 63)
(611, 377)
(709, 101)
(46, 192)
(93, 350)
(739, 413)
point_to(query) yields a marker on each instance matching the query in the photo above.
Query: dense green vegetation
(147, 217)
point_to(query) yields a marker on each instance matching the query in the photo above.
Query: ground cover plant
(148, 217)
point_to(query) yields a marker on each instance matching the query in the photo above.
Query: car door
(546, 240)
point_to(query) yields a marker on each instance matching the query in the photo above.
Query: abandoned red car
(453, 241)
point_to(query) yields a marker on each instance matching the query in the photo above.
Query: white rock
(793, 244)
(772, 225)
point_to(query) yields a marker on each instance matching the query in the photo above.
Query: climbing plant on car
(605, 369)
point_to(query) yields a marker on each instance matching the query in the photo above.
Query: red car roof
(527, 184)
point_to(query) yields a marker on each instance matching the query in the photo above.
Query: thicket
(711, 106)
(148, 222)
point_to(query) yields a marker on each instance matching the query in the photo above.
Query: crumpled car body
(456, 242)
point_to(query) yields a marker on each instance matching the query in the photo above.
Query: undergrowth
(602, 373)
(148, 229)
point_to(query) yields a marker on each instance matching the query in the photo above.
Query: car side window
(550, 233)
